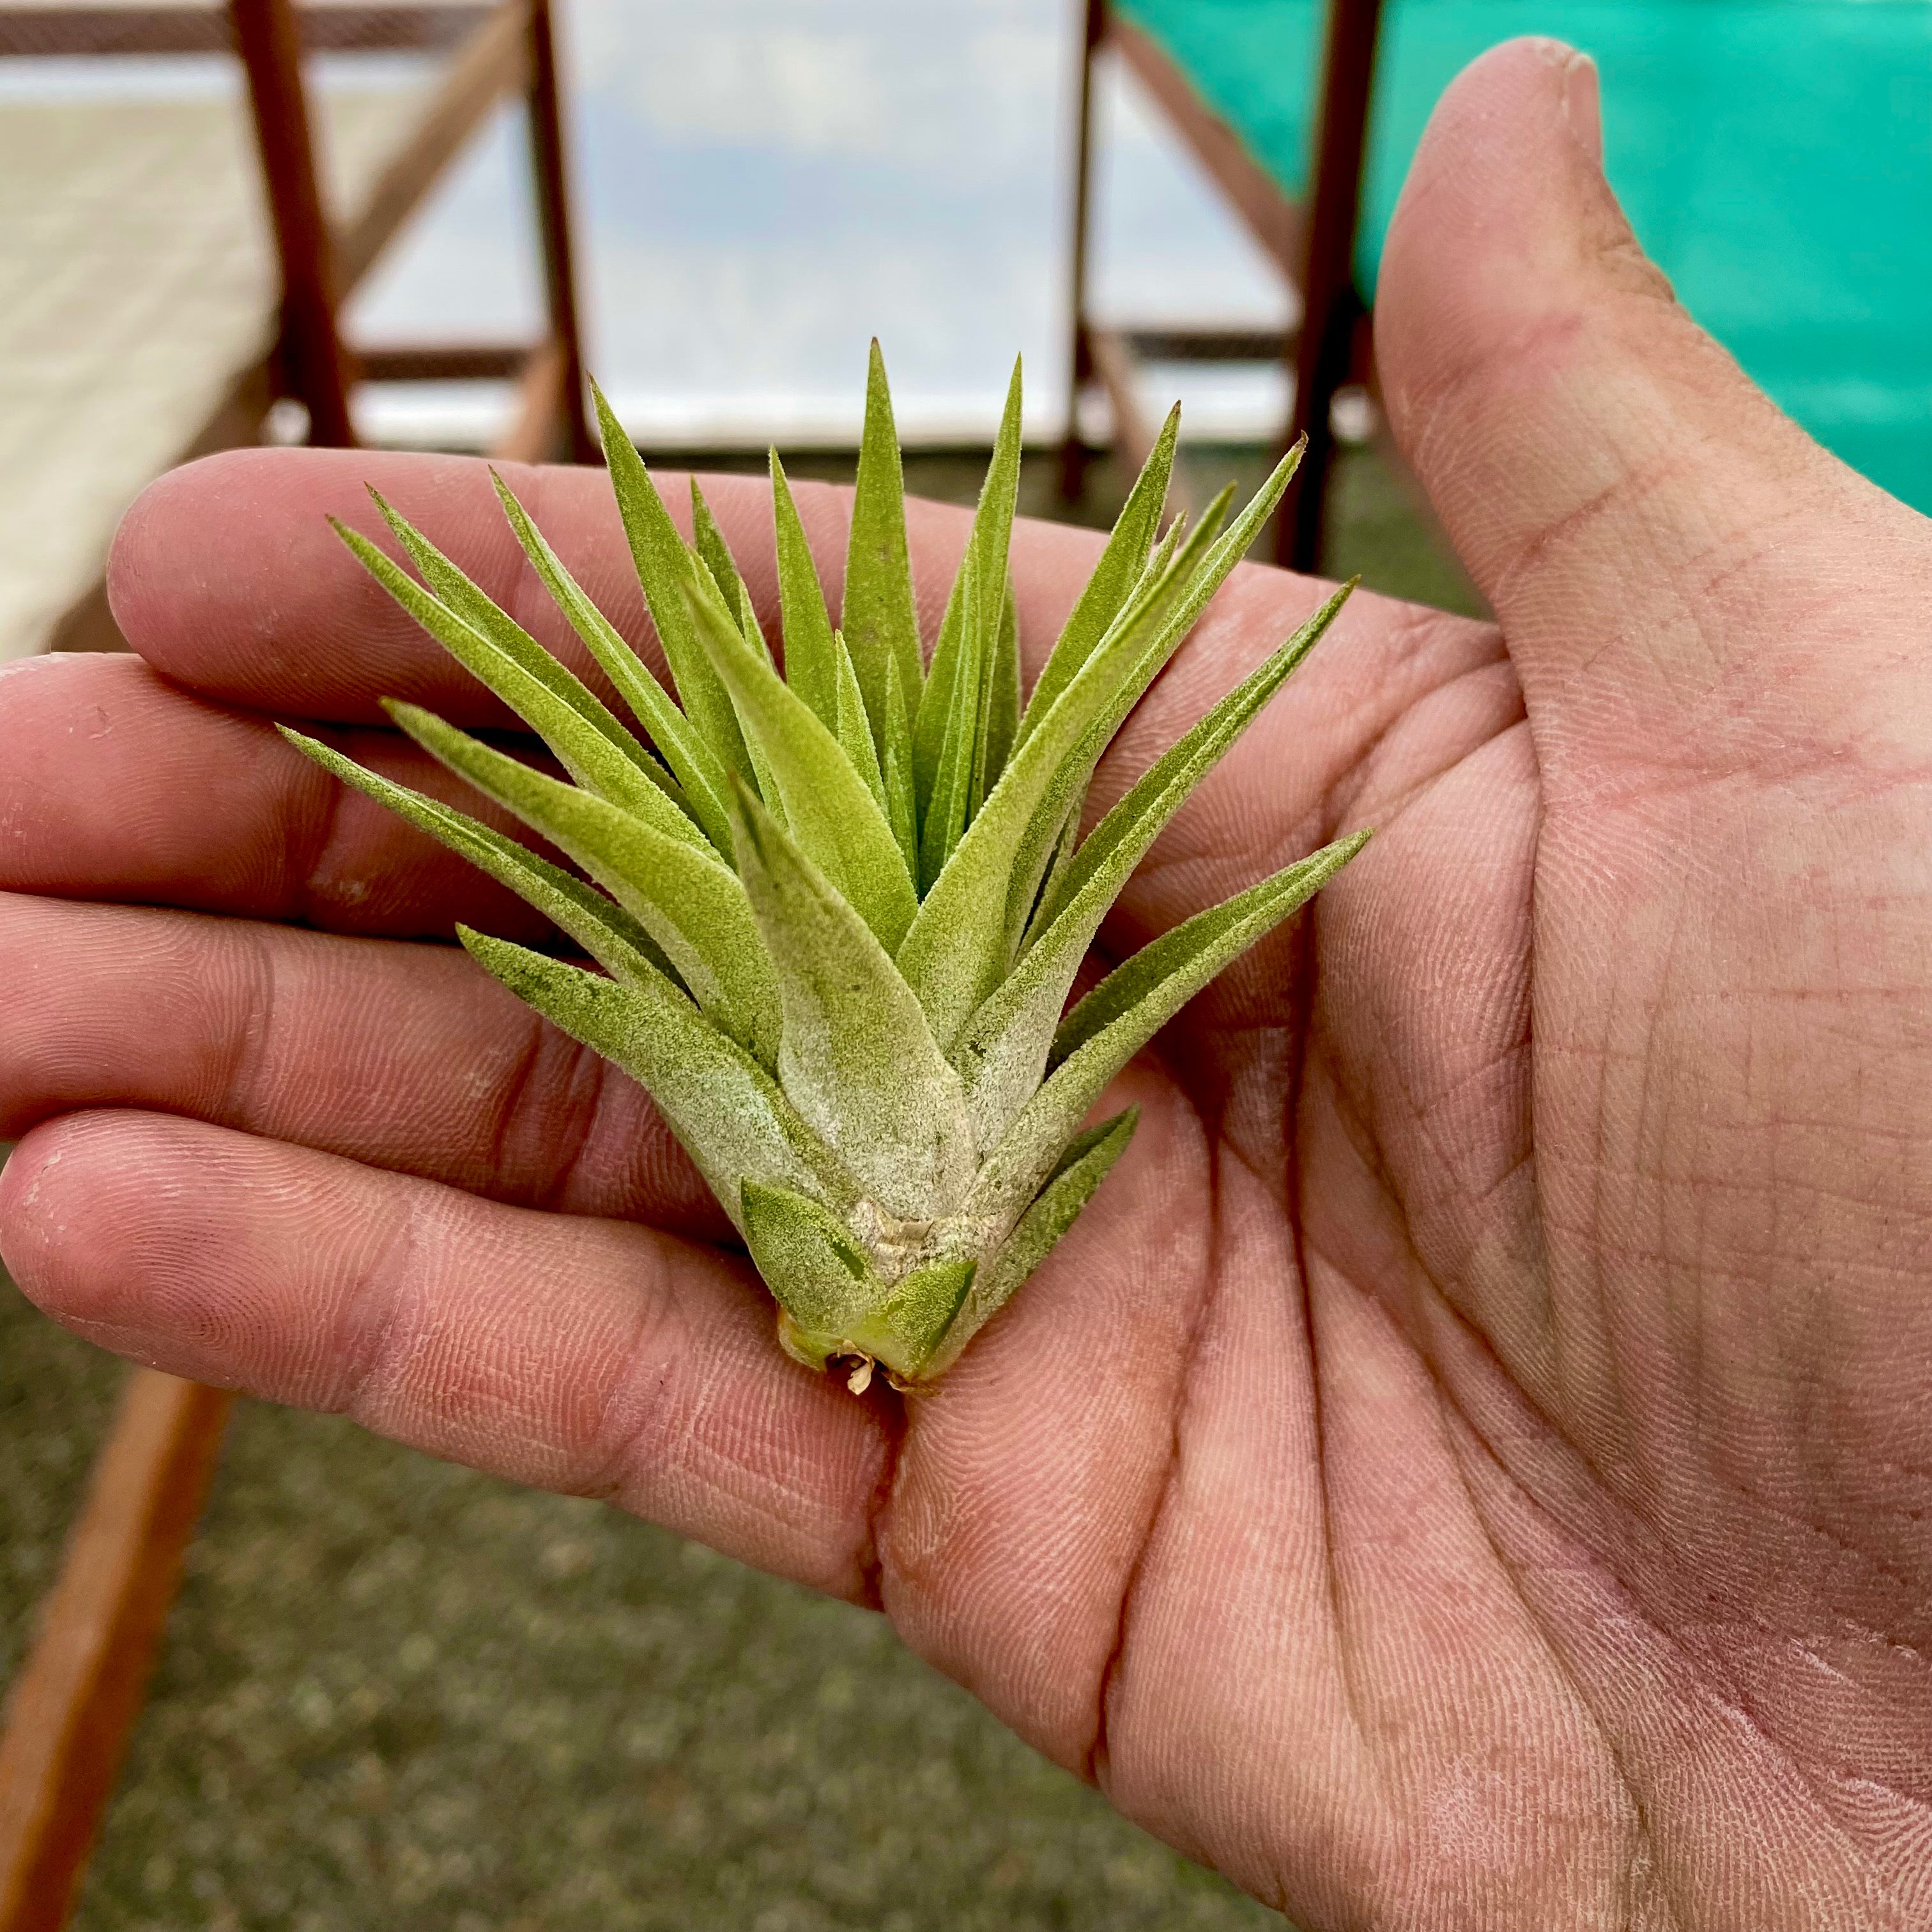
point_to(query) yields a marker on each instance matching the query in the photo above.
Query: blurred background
(393, 1692)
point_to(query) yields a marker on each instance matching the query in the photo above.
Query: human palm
(1468, 1467)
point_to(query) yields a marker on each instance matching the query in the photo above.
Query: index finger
(226, 577)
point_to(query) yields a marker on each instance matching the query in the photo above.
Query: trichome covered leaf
(839, 908)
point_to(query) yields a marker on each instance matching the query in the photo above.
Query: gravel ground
(396, 1692)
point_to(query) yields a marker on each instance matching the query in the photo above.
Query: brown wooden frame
(70, 1711)
(178, 27)
(1312, 243)
(312, 368)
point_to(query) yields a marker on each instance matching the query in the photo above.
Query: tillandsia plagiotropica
(838, 907)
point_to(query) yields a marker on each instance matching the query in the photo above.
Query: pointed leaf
(1002, 1054)
(1179, 561)
(689, 902)
(763, 785)
(851, 726)
(748, 623)
(1167, 972)
(1187, 567)
(725, 1108)
(854, 1056)
(1081, 1168)
(664, 568)
(1002, 713)
(606, 931)
(1127, 1010)
(880, 618)
(924, 1306)
(1179, 564)
(1049, 899)
(896, 775)
(944, 819)
(833, 1302)
(638, 783)
(826, 807)
(936, 700)
(1132, 824)
(958, 948)
(698, 771)
(715, 555)
(811, 665)
(475, 607)
(956, 699)
(818, 1272)
(715, 562)
(708, 541)
(1114, 578)
(1160, 558)
(982, 716)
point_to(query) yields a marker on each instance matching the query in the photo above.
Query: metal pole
(1330, 304)
(1080, 354)
(313, 369)
(552, 202)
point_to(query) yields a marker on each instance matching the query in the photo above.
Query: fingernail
(1582, 105)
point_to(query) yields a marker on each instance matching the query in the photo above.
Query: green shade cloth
(1774, 157)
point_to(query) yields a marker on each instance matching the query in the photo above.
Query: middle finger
(399, 1056)
(115, 784)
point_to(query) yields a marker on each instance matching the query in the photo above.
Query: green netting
(1774, 156)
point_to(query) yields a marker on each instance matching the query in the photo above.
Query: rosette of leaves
(837, 908)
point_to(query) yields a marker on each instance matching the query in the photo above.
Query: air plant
(838, 907)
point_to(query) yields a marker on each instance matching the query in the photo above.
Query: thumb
(1647, 525)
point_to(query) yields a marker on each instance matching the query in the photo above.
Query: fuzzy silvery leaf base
(838, 907)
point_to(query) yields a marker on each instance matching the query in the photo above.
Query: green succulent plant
(843, 904)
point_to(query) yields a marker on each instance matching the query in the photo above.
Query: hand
(1469, 1466)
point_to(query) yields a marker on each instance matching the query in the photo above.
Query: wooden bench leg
(72, 1707)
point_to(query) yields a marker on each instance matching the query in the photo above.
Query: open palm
(1469, 1465)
